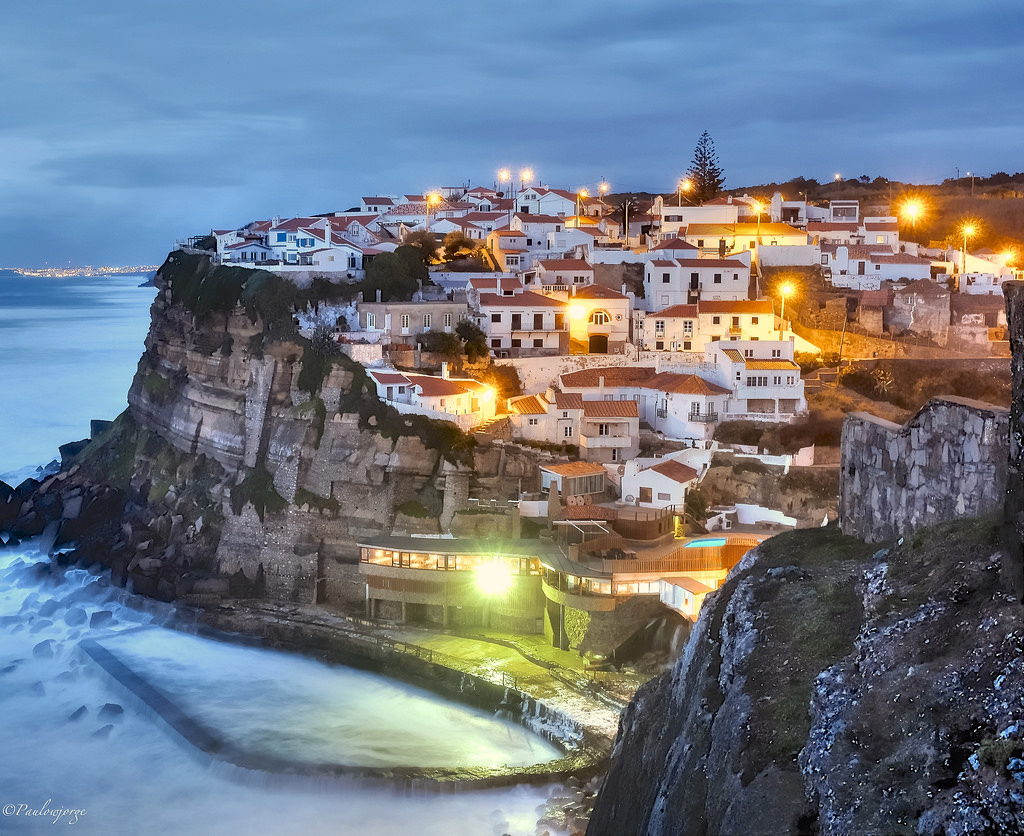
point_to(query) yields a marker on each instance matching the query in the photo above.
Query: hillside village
(634, 332)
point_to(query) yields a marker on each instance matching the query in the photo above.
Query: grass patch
(996, 752)
(157, 387)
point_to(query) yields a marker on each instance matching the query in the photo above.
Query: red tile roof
(526, 299)
(610, 409)
(530, 405)
(433, 387)
(596, 291)
(682, 384)
(563, 264)
(740, 306)
(568, 400)
(676, 471)
(675, 311)
(613, 376)
(674, 244)
(574, 469)
(730, 263)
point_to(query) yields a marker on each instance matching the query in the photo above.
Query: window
(579, 279)
(777, 379)
(735, 322)
(567, 432)
(447, 320)
(529, 242)
(776, 352)
(790, 380)
(664, 497)
(700, 242)
(538, 343)
(878, 266)
(558, 227)
(371, 320)
(753, 320)
(686, 345)
(718, 278)
(716, 320)
(405, 320)
(533, 422)
(496, 343)
(565, 414)
(495, 317)
(426, 320)
(603, 429)
(659, 345)
(600, 318)
(748, 352)
(757, 380)
(665, 278)
(516, 343)
(659, 326)
(282, 237)
(645, 494)
(615, 454)
(687, 327)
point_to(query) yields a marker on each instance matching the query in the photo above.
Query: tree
(424, 243)
(474, 339)
(705, 170)
(458, 245)
(390, 274)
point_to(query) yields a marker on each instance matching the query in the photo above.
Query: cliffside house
(669, 282)
(764, 379)
(462, 401)
(401, 323)
(524, 324)
(692, 327)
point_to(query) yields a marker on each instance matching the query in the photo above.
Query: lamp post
(581, 195)
(685, 185)
(912, 208)
(504, 176)
(433, 199)
(602, 190)
(784, 291)
(758, 207)
(968, 229)
(525, 176)
(625, 224)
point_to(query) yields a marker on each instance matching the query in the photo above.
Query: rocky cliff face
(247, 462)
(829, 688)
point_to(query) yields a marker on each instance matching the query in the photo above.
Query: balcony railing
(705, 417)
(662, 412)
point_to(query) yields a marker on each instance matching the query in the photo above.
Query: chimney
(378, 294)
(444, 370)
(623, 288)
(600, 383)
(327, 236)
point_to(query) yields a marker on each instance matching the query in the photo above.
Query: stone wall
(1013, 512)
(948, 461)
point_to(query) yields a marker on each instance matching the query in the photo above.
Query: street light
(784, 291)
(968, 230)
(581, 195)
(433, 199)
(758, 207)
(912, 208)
(525, 176)
(685, 185)
(504, 176)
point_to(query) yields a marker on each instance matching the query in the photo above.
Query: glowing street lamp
(581, 195)
(785, 290)
(685, 185)
(759, 207)
(504, 176)
(968, 229)
(525, 176)
(493, 577)
(911, 209)
(433, 199)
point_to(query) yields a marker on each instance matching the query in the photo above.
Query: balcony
(662, 412)
(595, 442)
(703, 417)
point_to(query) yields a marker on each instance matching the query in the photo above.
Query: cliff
(250, 459)
(829, 688)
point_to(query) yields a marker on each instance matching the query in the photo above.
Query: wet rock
(104, 731)
(75, 616)
(39, 625)
(101, 618)
(43, 650)
(48, 608)
(111, 711)
(78, 713)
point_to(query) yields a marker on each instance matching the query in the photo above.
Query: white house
(463, 401)
(661, 484)
(543, 201)
(683, 594)
(764, 379)
(599, 318)
(609, 431)
(684, 281)
(691, 327)
(524, 324)
(866, 266)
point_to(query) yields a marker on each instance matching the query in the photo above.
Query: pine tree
(705, 170)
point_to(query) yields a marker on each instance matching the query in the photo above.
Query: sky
(125, 125)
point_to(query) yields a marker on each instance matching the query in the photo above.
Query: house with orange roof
(508, 247)
(692, 327)
(680, 405)
(540, 200)
(462, 401)
(609, 431)
(763, 378)
(723, 239)
(657, 483)
(599, 319)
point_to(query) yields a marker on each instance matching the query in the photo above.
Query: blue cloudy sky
(126, 124)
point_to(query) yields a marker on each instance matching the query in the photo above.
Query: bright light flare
(786, 289)
(576, 311)
(504, 175)
(493, 577)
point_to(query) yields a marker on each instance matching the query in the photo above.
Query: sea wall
(947, 462)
